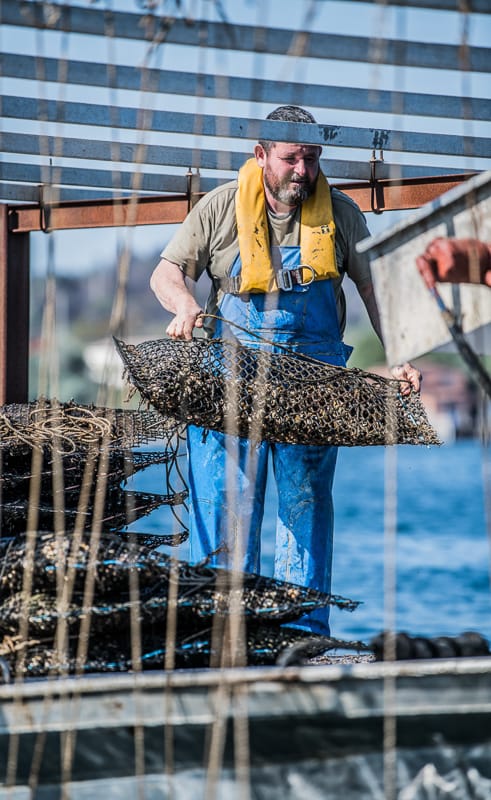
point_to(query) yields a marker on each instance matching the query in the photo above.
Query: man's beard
(290, 191)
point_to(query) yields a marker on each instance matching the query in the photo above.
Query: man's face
(289, 171)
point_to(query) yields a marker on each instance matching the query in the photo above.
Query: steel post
(14, 313)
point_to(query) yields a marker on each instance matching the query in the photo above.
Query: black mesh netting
(194, 595)
(262, 645)
(279, 397)
(51, 453)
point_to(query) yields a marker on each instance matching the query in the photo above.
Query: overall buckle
(234, 284)
(284, 279)
(288, 278)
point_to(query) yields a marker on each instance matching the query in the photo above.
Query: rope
(303, 356)
(74, 428)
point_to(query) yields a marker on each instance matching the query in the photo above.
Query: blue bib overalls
(227, 474)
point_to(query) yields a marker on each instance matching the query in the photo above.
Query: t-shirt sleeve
(353, 229)
(207, 239)
(358, 264)
(190, 245)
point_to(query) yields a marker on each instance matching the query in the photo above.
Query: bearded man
(276, 243)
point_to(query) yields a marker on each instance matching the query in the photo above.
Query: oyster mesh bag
(49, 445)
(71, 427)
(279, 397)
(30, 626)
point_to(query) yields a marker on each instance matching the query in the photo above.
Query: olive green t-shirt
(207, 240)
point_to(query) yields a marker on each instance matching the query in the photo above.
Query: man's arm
(410, 376)
(169, 286)
(357, 266)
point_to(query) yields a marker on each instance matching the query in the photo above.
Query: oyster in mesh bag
(108, 563)
(280, 397)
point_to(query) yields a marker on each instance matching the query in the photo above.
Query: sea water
(413, 518)
(411, 539)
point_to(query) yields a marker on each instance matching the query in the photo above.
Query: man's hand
(455, 261)
(181, 327)
(409, 376)
(169, 286)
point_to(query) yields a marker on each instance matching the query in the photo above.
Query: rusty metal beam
(14, 313)
(384, 195)
(105, 213)
(391, 194)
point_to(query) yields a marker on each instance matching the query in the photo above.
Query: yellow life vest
(317, 231)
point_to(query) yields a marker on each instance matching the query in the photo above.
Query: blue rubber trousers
(228, 474)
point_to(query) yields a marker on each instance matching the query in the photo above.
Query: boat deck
(317, 727)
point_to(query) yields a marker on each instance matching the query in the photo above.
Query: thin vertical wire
(476, 232)
(234, 637)
(49, 385)
(228, 634)
(48, 380)
(390, 595)
(464, 71)
(106, 395)
(486, 469)
(157, 28)
(378, 49)
(242, 752)
(228, 638)
(220, 701)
